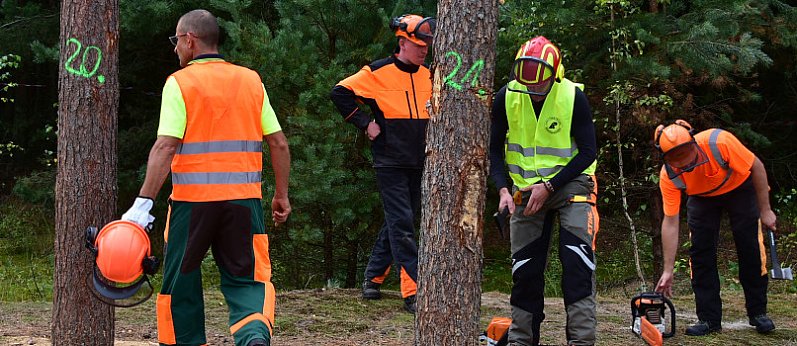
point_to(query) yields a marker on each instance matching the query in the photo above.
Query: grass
(338, 316)
(341, 317)
(26, 245)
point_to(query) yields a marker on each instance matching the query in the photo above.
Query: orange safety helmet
(415, 28)
(123, 258)
(679, 150)
(673, 135)
(538, 65)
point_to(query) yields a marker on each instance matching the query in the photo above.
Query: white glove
(139, 213)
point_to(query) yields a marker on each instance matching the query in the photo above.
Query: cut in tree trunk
(454, 183)
(85, 188)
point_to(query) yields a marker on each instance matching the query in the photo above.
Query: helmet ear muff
(685, 125)
(394, 23)
(91, 237)
(397, 24)
(150, 265)
(657, 136)
(560, 72)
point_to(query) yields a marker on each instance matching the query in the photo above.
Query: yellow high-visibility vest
(539, 147)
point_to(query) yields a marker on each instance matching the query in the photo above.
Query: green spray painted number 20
(82, 70)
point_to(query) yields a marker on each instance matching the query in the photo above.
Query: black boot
(702, 328)
(762, 323)
(371, 290)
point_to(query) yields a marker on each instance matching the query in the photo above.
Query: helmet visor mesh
(537, 75)
(425, 29)
(684, 158)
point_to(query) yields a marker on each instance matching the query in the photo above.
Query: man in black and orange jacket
(396, 89)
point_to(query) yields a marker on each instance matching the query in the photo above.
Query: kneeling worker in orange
(214, 118)
(718, 174)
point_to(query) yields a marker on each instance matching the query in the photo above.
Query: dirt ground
(341, 317)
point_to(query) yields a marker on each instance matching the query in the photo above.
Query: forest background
(722, 63)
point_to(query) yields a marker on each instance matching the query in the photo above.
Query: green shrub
(37, 188)
(26, 247)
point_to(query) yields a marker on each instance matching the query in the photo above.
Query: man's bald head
(203, 25)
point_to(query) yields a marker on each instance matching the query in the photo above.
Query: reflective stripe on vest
(221, 154)
(220, 147)
(528, 152)
(535, 153)
(716, 155)
(532, 174)
(216, 178)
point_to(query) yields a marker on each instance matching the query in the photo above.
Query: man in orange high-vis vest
(396, 89)
(214, 118)
(717, 173)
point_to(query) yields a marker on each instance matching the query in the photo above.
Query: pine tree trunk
(329, 255)
(450, 254)
(654, 6)
(85, 190)
(351, 263)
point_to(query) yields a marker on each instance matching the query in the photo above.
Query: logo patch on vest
(553, 125)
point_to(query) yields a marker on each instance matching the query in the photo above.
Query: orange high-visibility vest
(221, 154)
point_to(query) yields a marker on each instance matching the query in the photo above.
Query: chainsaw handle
(634, 311)
(671, 333)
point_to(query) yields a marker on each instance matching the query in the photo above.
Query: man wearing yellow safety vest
(716, 172)
(542, 128)
(213, 120)
(396, 90)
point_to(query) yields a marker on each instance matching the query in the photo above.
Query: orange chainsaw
(649, 318)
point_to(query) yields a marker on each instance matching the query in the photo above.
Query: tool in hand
(500, 220)
(777, 272)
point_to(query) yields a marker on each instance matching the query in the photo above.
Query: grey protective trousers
(530, 240)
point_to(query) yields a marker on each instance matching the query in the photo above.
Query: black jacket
(397, 94)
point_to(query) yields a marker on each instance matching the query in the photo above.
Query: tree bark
(454, 184)
(351, 263)
(653, 6)
(85, 189)
(329, 255)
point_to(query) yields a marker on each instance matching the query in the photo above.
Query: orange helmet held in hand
(415, 28)
(123, 258)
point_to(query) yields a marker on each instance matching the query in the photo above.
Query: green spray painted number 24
(472, 74)
(82, 70)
